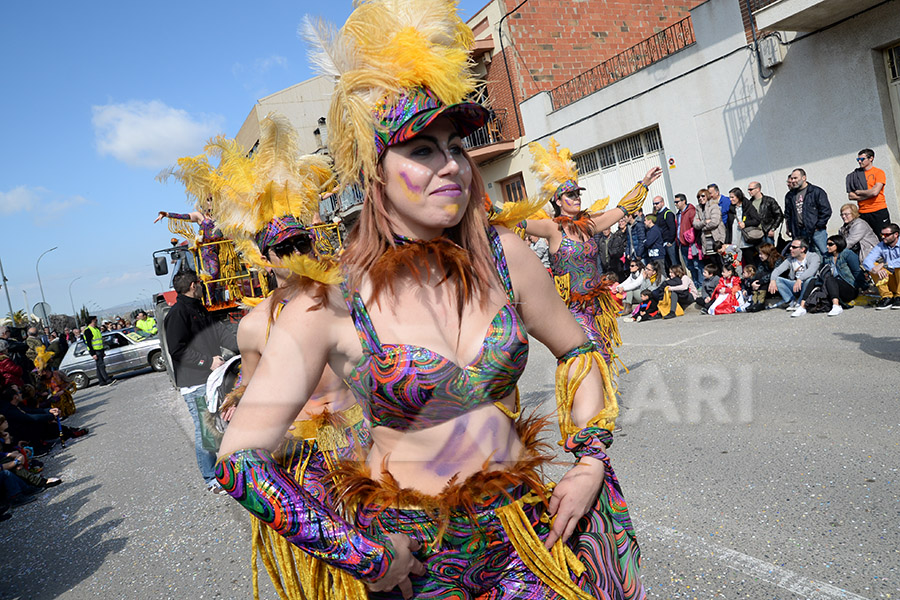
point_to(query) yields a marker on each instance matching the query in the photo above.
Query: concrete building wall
(303, 104)
(722, 123)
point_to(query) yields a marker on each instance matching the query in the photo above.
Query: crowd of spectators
(746, 251)
(35, 399)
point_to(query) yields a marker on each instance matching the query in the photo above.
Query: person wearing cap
(430, 328)
(573, 249)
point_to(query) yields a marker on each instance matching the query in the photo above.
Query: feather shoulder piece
(512, 213)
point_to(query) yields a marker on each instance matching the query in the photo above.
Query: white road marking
(678, 343)
(754, 567)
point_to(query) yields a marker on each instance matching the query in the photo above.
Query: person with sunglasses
(883, 262)
(838, 282)
(801, 269)
(770, 214)
(865, 186)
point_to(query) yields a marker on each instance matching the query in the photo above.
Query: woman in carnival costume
(266, 204)
(450, 501)
(573, 249)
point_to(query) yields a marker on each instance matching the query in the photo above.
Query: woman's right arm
(305, 340)
(855, 233)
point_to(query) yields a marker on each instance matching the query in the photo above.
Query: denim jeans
(671, 256)
(693, 266)
(206, 460)
(817, 241)
(786, 289)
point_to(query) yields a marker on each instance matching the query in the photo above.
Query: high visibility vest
(96, 339)
(148, 325)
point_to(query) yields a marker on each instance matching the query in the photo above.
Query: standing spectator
(801, 269)
(636, 233)
(745, 231)
(884, 264)
(58, 347)
(688, 244)
(653, 242)
(616, 248)
(602, 240)
(17, 352)
(67, 334)
(708, 222)
(865, 185)
(770, 214)
(93, 339)
(668, 229)
(195, 341)
(806, 211)
(33, 342)
(857, 234)
(724, 202)
(538, 244)
(45, 337)
(839, 277)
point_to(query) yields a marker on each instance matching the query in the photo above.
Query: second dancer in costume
(573, 249)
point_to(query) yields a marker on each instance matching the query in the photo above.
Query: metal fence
(640, 56)
(491, 132)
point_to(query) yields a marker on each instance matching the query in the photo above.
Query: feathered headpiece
(271, 196)
(555, 170)
(43, 358)
(196, 175)
(397, 65)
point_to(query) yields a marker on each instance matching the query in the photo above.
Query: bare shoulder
(255, 321)
(309, 313)
(524, 265)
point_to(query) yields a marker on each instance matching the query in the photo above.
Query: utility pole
(6, 289)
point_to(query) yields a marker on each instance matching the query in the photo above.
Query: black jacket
(770, 214)
(602, 252)
(653, 245)
(751, 219)
(816, 211)
(193, 338)
(668, 227)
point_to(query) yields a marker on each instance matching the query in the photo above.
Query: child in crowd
(710, 282)
(754, 289)
(647, 309)
(728, 254)
(727, 298)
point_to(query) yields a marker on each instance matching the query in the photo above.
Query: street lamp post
(37, 270)
(74, 314)
(6, 289)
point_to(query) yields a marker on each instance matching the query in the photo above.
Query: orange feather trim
(355, 486)
(581, 223)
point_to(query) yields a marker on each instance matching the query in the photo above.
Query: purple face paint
(409, 185)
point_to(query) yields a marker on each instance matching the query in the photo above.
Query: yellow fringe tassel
(567, 385)
(634, 199)
(551, 567)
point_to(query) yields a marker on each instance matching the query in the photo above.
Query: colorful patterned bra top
(408, 388)
(579, 259)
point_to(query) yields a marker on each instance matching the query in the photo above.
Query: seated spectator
(727, 254)
(754, 291)
(727, 298)
(856, 232)
(681, 286)
(653, 241)
(801, 269)
(652, 276)
(11, 459)
(631, 287)
(10, 372)
(883, 262)
(710, 282)
(32, 424)
(839, 278)
(647, 310)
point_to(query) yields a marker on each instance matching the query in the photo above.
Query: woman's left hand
(573, 497)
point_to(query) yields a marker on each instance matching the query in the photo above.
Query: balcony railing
(491, 132)
(640, 56)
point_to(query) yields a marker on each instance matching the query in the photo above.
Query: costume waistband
(327, 426)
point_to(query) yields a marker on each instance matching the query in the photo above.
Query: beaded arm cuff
(590, 441)
(262, 486)
(171, 215)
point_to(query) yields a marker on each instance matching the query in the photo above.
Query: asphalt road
(758, 454)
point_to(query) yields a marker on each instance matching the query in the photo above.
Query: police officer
(93, 339)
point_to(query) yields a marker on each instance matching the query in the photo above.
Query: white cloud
(20, 199)
(109, 281)
(43, 203)
(151, 134)
(252, 76)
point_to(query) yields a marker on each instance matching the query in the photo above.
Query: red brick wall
(558, 39)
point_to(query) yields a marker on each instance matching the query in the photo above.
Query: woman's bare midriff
(427, 459)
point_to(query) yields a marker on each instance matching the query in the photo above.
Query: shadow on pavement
(60, 553)
(885, 348)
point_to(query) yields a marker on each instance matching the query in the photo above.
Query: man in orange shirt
(872, 205)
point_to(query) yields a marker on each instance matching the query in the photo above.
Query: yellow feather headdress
(196, 175)
(553, 167)
(391, 60)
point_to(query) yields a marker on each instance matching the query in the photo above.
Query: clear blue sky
(98, 97)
